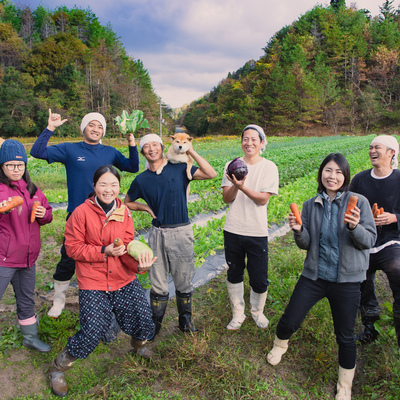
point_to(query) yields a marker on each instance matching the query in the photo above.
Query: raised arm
(205, 171)
(39, 148)
(130, 164)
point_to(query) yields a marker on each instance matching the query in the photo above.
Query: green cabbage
(135, 248)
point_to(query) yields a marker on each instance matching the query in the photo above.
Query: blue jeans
(344, 300)
(237, 248)
(388, 261)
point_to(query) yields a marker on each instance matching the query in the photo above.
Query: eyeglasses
(13, 167)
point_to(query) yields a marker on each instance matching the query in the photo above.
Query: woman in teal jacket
(337, 247)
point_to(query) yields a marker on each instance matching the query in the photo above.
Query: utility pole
(160, 119)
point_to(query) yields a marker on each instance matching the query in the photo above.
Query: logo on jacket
(81, 158)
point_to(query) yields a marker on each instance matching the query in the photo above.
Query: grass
(217, 364)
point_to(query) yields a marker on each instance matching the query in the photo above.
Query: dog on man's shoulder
(177, 153)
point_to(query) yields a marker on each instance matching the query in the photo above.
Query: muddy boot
(396, 318)
(158, 304)
(60, 289)
(344, 384)
(257, 301)
(62, 363)
(369, 334)
(184, 305)
(139, 348)
(236, 298)
(280, 348)
(31, 337)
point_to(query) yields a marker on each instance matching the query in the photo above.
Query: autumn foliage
(334, 70)
(65, 59)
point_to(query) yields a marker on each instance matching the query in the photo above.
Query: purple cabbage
(238, 168)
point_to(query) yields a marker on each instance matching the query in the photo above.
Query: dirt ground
(21, 375)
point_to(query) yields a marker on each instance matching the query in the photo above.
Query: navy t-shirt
(81, 161)
(165, 194)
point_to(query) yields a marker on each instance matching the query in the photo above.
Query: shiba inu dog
(177, 153)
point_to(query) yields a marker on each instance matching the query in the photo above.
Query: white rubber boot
(60, 289)
(280, 348)
(236, 297)
(257, 301)
(344, 384)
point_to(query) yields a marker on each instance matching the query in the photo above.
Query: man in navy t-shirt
(171, 235)
(81, 160)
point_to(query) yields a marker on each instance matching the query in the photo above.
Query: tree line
(335, 68)
(65, 59)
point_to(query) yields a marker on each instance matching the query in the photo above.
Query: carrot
(34, 208)
(118, 242)
(14, 202)
(295, 211)
(375, 210)
(351, 204)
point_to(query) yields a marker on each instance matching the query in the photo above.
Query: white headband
(261, 134)
(93, 117)
(391, 143)
(151, 137)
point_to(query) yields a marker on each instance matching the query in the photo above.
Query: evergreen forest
(334, 70)
(67, 61)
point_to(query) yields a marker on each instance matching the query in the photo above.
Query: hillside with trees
(335, 69)
(65, 59)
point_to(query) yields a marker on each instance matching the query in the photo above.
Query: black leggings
(344, 299)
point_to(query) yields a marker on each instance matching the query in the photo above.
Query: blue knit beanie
(12, 150)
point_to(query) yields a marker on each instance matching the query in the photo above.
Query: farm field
(215, 364)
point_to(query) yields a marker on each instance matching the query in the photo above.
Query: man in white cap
(81, 160)
(381, 185)
(171, 235)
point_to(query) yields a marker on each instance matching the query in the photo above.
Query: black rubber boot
(158, 304)
(396, 318)
(369, 334)
(184, 304)
(62, 363)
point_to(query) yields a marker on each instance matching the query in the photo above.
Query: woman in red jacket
(20, 239)
(106, 276)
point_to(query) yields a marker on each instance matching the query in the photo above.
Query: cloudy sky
(189, 46)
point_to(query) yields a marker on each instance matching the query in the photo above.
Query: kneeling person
(106, 276)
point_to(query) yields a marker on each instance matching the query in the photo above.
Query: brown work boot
(139, 348)
(62, 363)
